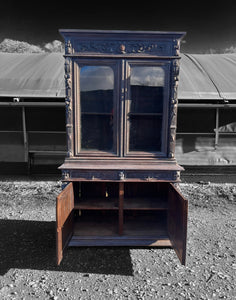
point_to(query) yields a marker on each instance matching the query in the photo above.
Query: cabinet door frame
(177, 222)
(64, 220)
(166, 65)
(115, 65)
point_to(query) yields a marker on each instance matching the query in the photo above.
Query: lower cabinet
(121, 214)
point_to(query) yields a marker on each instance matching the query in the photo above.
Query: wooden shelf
(97, 227)
(140, 227)
(97, 204)
(148, 203)
(96, 113)
(145, 114)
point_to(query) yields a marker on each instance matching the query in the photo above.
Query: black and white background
(27, 205)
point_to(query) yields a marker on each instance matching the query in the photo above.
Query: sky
(208, 27)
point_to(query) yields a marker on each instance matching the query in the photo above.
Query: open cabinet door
(177, 222)
(64, 218)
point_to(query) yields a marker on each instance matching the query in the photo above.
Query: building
(32, 114)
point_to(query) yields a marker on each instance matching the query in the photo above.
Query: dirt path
(27, 252)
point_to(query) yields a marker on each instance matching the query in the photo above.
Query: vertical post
(123, 121)
(59, 240)
(217, 128)
(26, 158)
(121, 207)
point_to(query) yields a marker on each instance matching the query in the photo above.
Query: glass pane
(96, 89)
(145, 110)
(146, 89)
(97, 133)
(96, 100)
(145, 133)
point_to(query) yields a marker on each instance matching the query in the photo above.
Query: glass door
(121, 107)
(96, 111)
(146, 109)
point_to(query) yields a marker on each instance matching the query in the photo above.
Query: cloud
(55, 46)
(14, 46)
(96, 78)
(231, 49)
(149, 76)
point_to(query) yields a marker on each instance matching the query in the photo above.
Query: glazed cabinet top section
(121, 93)
(121, 43)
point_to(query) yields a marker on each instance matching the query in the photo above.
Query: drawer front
(120, 175)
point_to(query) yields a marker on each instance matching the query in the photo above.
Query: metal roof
(32, 75)
(208, 76)
(202, 76)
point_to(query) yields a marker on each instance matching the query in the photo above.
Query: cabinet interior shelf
(97, 204)
(148, 203)
(97, 113)
(120, 209)
(144, 114)
(135, 226)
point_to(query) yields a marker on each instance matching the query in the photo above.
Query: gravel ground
(27, 249)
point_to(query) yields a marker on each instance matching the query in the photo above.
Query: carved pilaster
(68, 47)
(68, 101)
(177, 47)
(173, 107)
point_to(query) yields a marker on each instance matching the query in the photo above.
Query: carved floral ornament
(68, 83)
(68, 102)
(117, 47)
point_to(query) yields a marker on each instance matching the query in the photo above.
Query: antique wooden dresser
(120, 170)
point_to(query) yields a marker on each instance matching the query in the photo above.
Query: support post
(217, 128)
(121, 207)
(26, 158)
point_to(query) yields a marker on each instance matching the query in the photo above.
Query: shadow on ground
(31, 245)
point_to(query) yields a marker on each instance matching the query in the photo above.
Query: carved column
(173, 107)
(68, 101)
